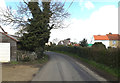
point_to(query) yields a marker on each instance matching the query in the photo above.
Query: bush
(109, 47)
(99, 45)
(26, 56)
(84, 43)
(26, 59)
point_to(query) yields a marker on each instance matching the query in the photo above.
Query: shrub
(84, 43)
(26, 56)
(26, 59)
(99, 45)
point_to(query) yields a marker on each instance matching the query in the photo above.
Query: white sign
(4, 52)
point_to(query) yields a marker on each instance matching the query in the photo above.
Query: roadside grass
(14, 62)
(39, 61)
(103, 67)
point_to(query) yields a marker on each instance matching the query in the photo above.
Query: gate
(4, 52)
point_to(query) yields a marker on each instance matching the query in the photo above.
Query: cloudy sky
(88, 18)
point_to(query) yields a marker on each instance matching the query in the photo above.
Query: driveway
(63, 68)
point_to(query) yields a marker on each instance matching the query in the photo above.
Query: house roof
(113, 36)
(10, 36)
(107, 37)
(101, 37)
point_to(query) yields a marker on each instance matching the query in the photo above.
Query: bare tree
(20, 17)
(35, 19)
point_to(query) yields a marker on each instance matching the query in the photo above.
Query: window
(114, 42)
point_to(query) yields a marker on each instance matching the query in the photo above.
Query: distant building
(60, 43)
(48, 44)
(76, 45)
(109, 40)
(65, 42)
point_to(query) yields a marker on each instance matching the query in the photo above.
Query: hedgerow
(109, 57)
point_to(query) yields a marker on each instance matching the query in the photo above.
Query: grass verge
(39, 61)
(111, 71)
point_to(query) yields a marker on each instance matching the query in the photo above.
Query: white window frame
(113, 42)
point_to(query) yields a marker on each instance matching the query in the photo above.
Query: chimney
(110, 33)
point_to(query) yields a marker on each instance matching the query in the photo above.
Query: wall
(13, 46)
(114, 45)
(119, 43)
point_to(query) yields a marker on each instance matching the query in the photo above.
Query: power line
(64, 3)
(69, 6)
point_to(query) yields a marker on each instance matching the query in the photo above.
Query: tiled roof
(101, 37)
(8, 35)
(113, 36)
(107, 37)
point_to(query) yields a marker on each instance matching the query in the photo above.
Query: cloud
(2, 4)
(81, 1)
(89, 5)
(8, 29)
(82, 4)
(86, 4)
(101, 22)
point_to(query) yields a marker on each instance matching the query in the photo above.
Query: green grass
(107, 69)
(14, 62)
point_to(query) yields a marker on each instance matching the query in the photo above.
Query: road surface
(63, 68)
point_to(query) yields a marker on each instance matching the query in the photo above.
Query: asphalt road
(63, 68)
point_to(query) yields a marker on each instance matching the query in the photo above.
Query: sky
(87, 18)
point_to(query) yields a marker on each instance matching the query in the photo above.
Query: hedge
(109, 57)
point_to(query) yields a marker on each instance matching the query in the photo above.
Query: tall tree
(41, 18)
(84, 43)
